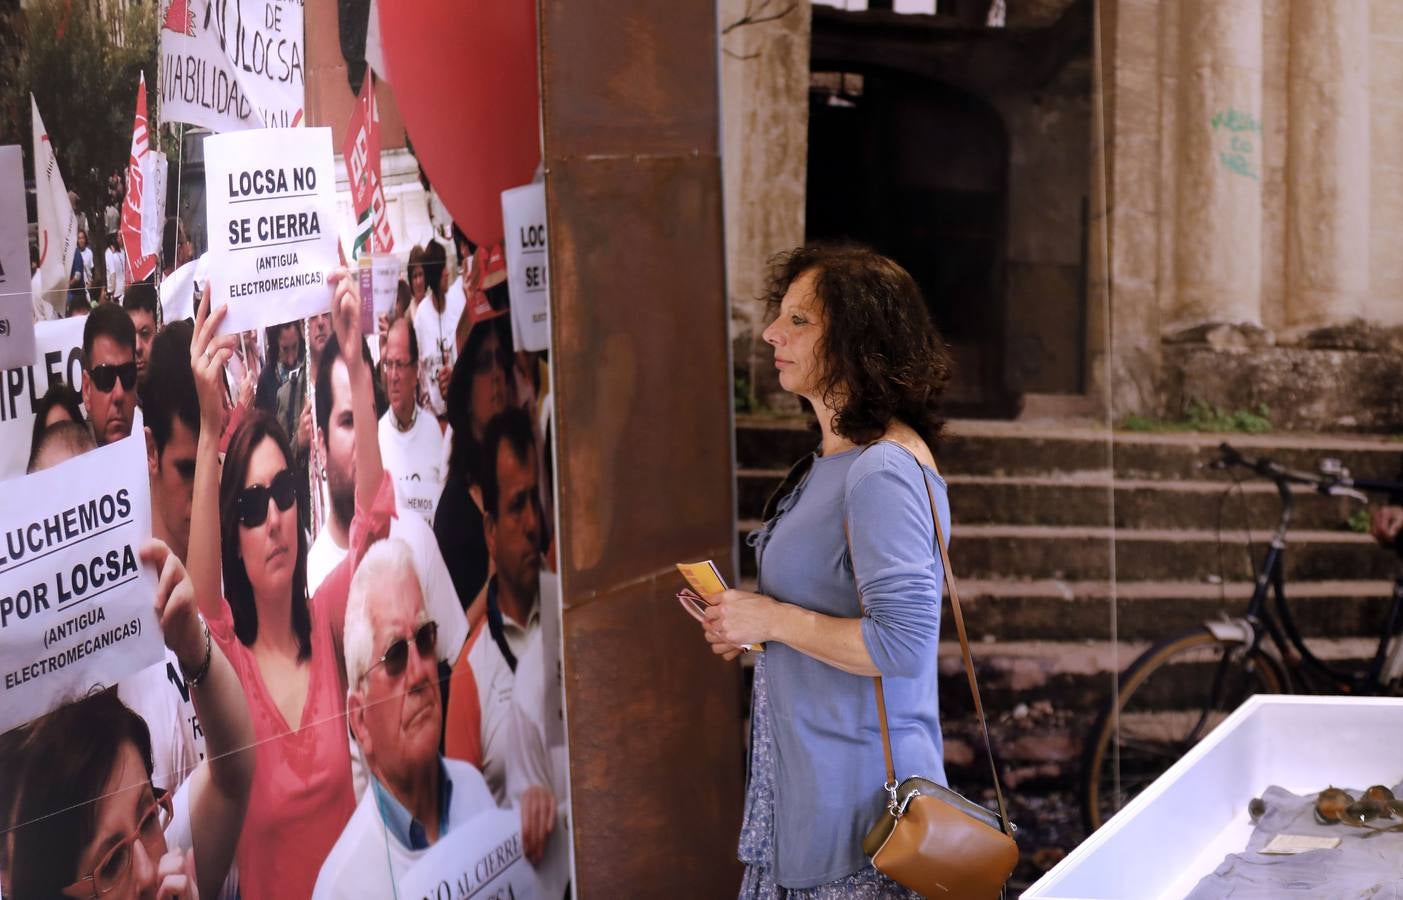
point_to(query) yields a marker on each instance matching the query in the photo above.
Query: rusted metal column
(644, 439)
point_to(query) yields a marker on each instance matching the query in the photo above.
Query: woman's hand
(176, 872)
(175, 605)
(208, 355)
(733, 618)
(345, 319)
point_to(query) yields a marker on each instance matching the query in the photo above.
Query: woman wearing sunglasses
(133, 840)
(284, 647)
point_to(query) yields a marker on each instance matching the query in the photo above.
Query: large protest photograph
(280, 611)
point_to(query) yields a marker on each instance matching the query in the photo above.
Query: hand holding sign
(537, 821)
(208, 355)
(175, 605)
(345, 319)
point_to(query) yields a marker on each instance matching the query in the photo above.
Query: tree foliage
(82, 61)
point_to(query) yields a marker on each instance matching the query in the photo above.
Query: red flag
(362, 152)
(138, 267)
(180, 18)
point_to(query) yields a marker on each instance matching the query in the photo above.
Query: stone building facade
(1203, 202)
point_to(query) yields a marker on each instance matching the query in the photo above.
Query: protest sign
(58, 227)
(180, 290)
(58, 356)
(228, 65)
(385, 283)
(271, 205)
(76, 605)
(16, 297)
(524, 216)
(480, 859)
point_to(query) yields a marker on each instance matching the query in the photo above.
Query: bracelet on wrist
(195, 679)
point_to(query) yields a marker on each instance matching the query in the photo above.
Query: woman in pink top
(286, 650)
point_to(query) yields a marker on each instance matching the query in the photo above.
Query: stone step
(1085, 499)
(977, 447)
(1146, 611)
(1068, 675)
(1084, 553)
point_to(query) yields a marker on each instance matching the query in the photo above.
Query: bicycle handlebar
(1334, 484)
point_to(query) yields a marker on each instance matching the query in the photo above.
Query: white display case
(1185, 823)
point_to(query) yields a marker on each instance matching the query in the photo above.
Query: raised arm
(219, 787)
(345, 319)
(208, 354)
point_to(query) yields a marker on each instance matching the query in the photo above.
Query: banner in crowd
(180, 290)
(271, 220)
(16, 288)
(362, 152)
(227, 65)
(76, 605)
(524, 217)
(58, 356)
(140, 262)
(482, 857)
(58, 227)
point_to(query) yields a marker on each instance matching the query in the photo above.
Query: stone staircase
(1076, 552)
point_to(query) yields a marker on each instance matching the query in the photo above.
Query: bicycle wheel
(1170, 698)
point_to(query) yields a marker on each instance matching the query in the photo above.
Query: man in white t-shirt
(411, 444)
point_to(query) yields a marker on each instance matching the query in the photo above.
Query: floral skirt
(757, 838)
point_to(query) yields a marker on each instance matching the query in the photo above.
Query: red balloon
(464, 76)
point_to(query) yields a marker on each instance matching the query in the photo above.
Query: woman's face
(417, 284)
(126, 799)
(489, 392)
(796, 335)
(269, 549)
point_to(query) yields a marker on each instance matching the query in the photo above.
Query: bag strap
(891, 782)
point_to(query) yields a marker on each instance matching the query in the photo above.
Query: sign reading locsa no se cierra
(275, 226)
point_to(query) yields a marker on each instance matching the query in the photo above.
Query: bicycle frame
(1296, 657)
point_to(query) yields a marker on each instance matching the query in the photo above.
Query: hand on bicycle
(1385, 523)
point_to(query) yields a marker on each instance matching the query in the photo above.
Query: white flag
(58, 227)
(153, 201)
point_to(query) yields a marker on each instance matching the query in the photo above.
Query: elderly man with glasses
(415, 796)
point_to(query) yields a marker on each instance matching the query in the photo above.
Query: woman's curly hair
(881, 357)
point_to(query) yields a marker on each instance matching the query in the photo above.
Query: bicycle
(1177, 691)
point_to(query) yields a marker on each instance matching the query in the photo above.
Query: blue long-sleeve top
(829, 765)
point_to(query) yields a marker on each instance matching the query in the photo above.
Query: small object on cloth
(1331, 804)
(1289, 844)
(1256, 808)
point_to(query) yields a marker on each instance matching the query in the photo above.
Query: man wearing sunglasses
(394, 707)
(109, 373)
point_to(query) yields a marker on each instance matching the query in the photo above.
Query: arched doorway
(919, 170)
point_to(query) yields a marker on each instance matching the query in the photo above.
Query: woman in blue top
(853, 338)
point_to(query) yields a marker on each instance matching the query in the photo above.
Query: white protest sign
(233, 64)
(180, 290)
(524, 217)
(271, 214)
(76, 605)
(481, 859)
(58, 356)
(16, 290)
(385, 281)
